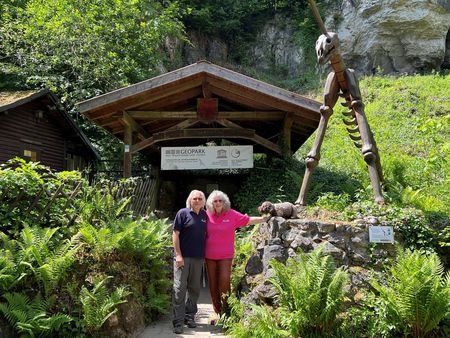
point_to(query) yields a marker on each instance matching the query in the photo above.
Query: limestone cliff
(391, 36)
(404, 36)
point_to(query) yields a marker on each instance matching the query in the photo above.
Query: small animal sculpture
(284, 209)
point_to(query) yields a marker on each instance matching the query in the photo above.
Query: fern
(47, 261)
(98, 305)
(157, 301)
(311, 292)
(31, 317)
(262, 322)
(101, 241)
(416, 296)
(146, 240)
(100, 208)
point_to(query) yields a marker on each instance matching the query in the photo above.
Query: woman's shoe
(213, 320)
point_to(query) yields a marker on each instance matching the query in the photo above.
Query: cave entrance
(176, 188)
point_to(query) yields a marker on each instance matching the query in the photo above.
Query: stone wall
(347, 243)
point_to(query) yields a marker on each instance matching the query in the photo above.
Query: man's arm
(179, 260)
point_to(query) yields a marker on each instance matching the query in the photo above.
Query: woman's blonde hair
(217, 194)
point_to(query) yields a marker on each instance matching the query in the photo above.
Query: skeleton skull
(327, 46)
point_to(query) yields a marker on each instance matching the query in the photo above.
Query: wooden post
(128, 138)
(287, 128)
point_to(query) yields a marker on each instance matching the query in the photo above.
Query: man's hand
(179, 261)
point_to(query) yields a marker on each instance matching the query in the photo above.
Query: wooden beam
(130, 92)
(205, 90)
(258, 139)
(144, 98)
(127, 153)
(206, 133)
(273, 115)
(194, 133)
(287, 129)
(309, 110)
(184, 124)
(175, 100)
(276, 93)
(130, 122)
(237, 98)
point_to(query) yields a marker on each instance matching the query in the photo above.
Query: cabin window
(75, 162)
(30, 155)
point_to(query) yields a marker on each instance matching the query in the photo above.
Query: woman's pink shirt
(220, 231)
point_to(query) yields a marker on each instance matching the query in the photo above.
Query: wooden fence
(143, 193)
(35, 206)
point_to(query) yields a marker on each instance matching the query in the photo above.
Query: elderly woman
(219, 250)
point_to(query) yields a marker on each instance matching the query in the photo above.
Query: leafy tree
(80, 49)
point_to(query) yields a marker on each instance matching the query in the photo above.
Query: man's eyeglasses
(197, 198)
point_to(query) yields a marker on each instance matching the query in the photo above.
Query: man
(189, 232)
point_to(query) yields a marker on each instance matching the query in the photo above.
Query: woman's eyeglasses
(197, 198)
(217, 201)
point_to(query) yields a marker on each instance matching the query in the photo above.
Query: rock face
(276, 46)
(404, 36)
(391, 36)
(347, 243)
(203, 48)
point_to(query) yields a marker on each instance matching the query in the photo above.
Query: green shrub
(23, 200)
(275, 181)
(263, 321)
(63, 260)
(416, 295)
(333, 202)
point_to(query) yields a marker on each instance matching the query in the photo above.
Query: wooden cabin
(34, 126)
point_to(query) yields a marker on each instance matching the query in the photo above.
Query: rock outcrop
(394, 36)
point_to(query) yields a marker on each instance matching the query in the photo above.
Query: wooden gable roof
(11, 102)
(162, 111)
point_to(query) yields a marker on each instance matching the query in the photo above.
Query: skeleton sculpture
(341, 82)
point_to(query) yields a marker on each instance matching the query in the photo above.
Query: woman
(219, 251)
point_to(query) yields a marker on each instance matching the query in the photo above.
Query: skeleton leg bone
(369, 149)
(330, 97)
(313, 157)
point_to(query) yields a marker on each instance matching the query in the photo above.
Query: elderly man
(189, 232)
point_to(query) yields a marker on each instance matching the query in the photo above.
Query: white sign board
(381, 234)
(226, 157)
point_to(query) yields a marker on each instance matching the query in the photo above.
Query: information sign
(381, 234)
(215, 157)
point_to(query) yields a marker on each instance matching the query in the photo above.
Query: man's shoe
(190, 323)
(178, 329)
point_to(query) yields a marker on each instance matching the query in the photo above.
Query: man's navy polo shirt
(192, 228)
